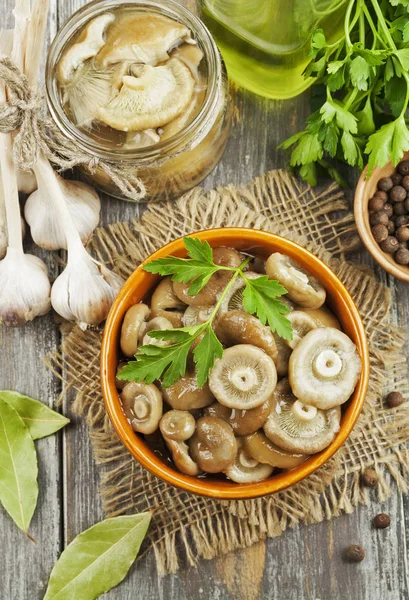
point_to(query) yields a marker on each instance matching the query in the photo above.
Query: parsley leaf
(260, 299)
(205, 353)
(365, 79)
(169, 362)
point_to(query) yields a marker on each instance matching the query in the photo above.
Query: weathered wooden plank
(306, 562)
(25, 566)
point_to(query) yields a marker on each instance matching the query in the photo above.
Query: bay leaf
(40, 420)
(98, 559)
(18, 467)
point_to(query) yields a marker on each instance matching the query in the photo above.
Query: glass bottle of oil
(265, 43)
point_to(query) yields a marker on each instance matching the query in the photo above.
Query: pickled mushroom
(88, 45)
(156, 97)
(145, 38)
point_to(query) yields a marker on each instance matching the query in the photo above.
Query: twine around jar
(36, 134)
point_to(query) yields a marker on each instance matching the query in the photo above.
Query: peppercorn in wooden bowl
(138, 287)
(381, 208)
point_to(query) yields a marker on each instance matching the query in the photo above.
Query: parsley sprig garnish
(361, 93)
(168, 363)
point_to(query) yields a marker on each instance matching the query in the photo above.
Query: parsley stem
(383, 25)
(237, 272)
(348, 25)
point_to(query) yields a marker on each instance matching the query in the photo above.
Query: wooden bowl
(136, 288)
(365, 189)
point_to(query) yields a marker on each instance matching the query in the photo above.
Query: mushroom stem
(303, 411)
(328, 364)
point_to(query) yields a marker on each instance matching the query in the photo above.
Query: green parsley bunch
(363, 92)
(168, 363)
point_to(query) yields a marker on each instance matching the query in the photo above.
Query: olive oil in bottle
(265, 43)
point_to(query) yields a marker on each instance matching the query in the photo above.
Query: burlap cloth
(188, 527)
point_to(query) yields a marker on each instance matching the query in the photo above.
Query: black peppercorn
(390, 227)
(385, 184)
(378, 218)
(402, 233)
(388, 208)
(402, 257)
(394, 399)
(382, 521)
(397, 194)
(402, 246)
(380, 233)
(390, 245)
(403, 220)
(403, 167)
(399, 208)
(405, 182)
(370, 478)
(355, 553)
(381, 194)
(375, 203)
(406, 203)
(396, 178)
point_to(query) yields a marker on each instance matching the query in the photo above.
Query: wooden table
(305, 563)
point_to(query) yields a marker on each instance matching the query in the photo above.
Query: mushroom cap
(297, 427)
(243, 422)
(156, 324)
(120, 383)
(323, 316)
(191, 55)
(234, 297)
(301, 323)
(283, 355)
(302, 288)
(134, 319)
(142, 404)
(244, 378)
(143, 38)
(213, 445)
(174, 316)
(246, 469)
(185, 394)
(239, 327)
(324, 368)
(259, 447)
(164, 297)
(196, 315)
(225, 257)
(177, 425)
(187, 116)
(181, 457)
(88, 44)
(159, 95)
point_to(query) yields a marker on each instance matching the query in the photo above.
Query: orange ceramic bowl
(136, 288)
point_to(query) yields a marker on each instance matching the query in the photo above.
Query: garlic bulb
(47, 228)
(24, 288)
(85, 290)
(24, 285)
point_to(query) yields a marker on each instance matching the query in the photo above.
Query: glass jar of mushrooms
(269, 403)
(141, 84)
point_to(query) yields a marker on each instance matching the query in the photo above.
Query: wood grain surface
(306, 562)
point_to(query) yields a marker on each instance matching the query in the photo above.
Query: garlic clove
(84, 292)
(24, 288)
(26, 181)
(47, 230)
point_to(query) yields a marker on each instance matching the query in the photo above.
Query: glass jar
(266, 43)
(174, 165)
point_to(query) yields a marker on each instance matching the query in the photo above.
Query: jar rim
(170, 8)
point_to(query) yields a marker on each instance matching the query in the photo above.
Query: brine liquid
(265, 43)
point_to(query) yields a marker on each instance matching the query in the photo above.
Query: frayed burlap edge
(196, 527)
